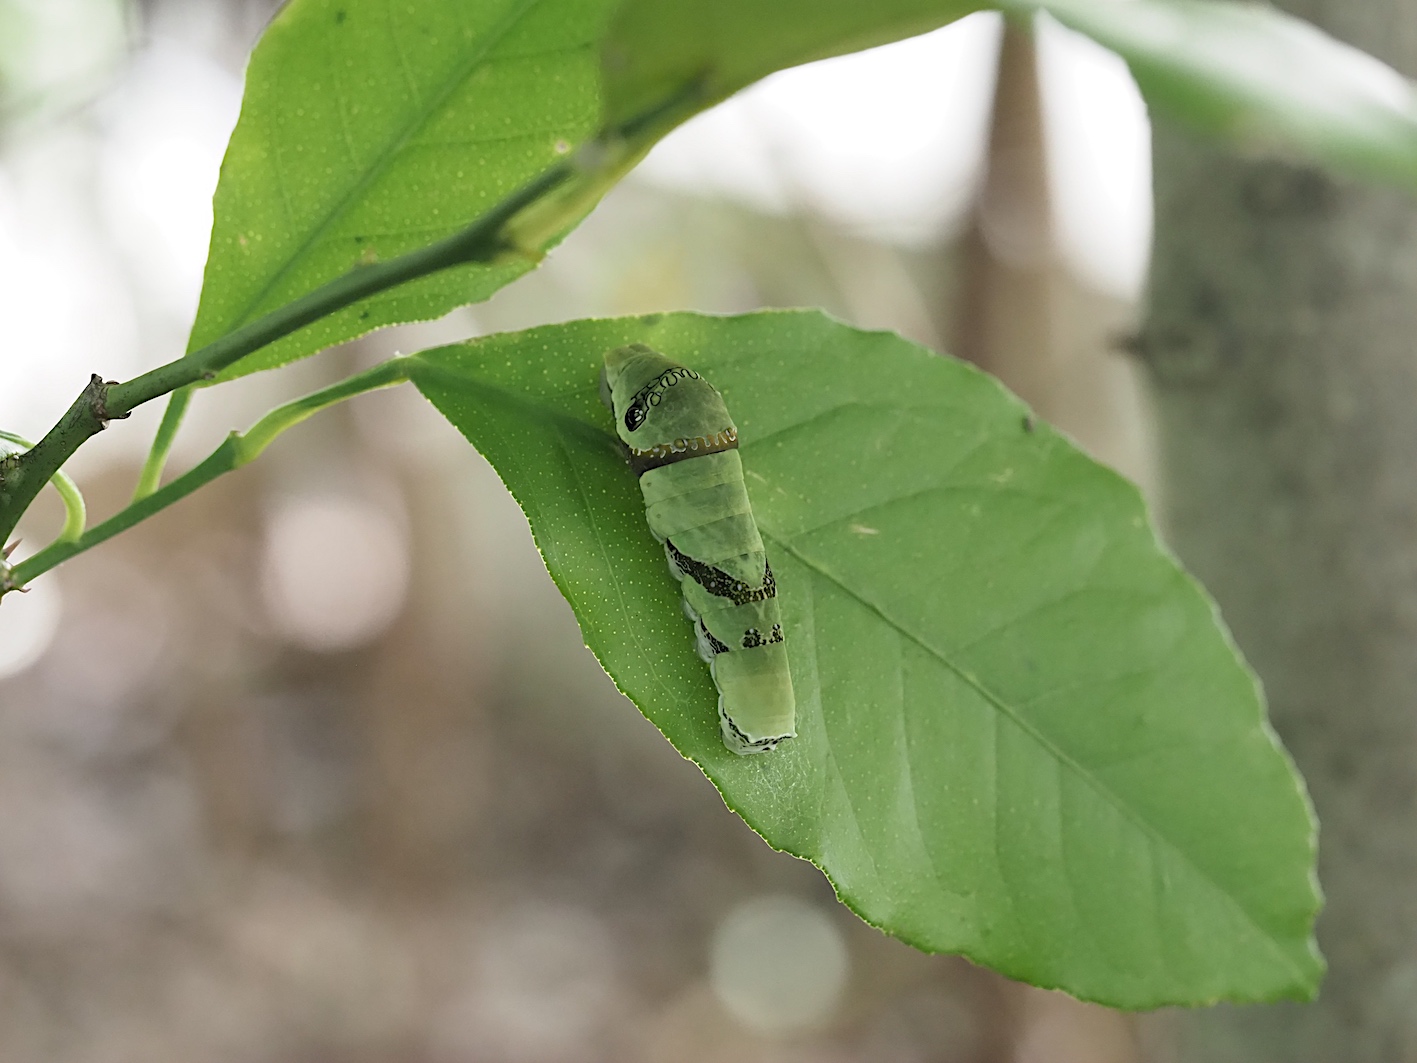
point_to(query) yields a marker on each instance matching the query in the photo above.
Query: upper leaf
(1023, 734)
(654, 48)
(370, 129)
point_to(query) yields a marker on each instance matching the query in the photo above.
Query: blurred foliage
(55, 51)
(1251, 74)
(1022, 736)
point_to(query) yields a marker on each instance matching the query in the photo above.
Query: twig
(238, 449)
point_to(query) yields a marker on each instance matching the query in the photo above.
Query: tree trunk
(1282, 344)
(1020, 313)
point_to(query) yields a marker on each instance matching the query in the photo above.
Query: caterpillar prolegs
(684, 447)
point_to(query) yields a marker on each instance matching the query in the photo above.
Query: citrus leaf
(370, 129)
(654, 48)
(1024, 735)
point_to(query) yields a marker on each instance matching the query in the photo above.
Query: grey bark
(1282, 343)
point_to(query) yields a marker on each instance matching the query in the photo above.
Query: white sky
(104, 223)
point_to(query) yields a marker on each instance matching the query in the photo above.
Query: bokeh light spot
(335, 573)
(778, 964)
(28, 623)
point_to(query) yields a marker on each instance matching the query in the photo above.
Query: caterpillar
(684, 447)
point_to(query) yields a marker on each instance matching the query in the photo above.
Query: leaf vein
(1003, 710)
(390, 152)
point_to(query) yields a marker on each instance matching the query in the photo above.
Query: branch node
(7, 584)
(97, 394)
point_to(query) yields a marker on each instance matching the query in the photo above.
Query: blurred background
(315, 766)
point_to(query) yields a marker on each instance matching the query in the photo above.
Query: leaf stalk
(238, 449)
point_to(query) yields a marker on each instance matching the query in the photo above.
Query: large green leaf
(369, 129)
(1024, 735)
(1241, 70)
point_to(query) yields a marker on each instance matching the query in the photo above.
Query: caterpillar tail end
(745, 745)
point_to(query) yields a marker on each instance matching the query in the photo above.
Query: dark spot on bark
(1281, 190)
(1185, 355)
(1129, 343)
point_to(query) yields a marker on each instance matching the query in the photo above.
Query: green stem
(479, 242)
(151, 476)
(23, 475)
(102, 401)
(75, 512)
(238, 449)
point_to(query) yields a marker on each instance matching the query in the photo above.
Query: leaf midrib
(395, 145)
(1060, 755)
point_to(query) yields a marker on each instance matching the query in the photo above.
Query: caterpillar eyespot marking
(683, 446)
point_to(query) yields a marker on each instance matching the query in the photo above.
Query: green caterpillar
(684, 447)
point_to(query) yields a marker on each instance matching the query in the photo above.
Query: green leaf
(1251, 73)
(654, 48)
(368, 130)
(1024, 735)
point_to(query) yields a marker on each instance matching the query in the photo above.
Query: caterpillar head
(650, 394)
(623, 381)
